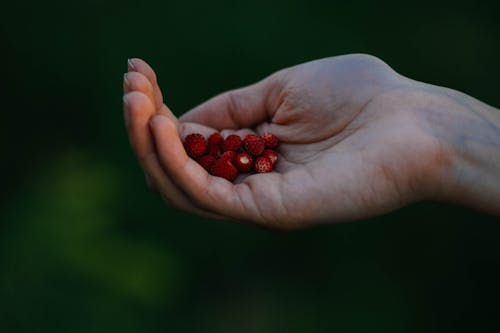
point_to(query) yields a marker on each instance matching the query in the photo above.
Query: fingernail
(131, 66)
(125, 80)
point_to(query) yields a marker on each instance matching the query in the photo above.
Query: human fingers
(239, 108)
(135, 81)
(139, 66)
(138, 109)
(211, 193)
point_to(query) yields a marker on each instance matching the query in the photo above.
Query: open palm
(353, 143)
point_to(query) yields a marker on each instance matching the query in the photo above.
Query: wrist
(468, 132)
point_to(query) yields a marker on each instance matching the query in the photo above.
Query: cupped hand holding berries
(355, 141)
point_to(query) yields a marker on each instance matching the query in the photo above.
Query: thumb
(240, 108)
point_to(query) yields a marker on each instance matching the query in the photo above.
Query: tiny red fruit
(244, 162)
(249, 137)
(263, 164)
(229, 155)
(232, 142)
(214, 150)
(255, 145)
(215, 139)
(271, 140)
(195, 145)
(206, 161)
(225, 169)
(271, 155)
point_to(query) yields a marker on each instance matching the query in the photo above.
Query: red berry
(244, 162)
(215, 139)
(263, 164)
(225, 169)
(195, 145)
(271, 140)
(249, 137)
(228, 155)
(232, 142)
(206, 161)
(214, 150)
(271, 155)
(255, 145)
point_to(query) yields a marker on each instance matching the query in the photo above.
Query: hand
(355, 143)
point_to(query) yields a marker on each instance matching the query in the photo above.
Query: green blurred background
(85, 247)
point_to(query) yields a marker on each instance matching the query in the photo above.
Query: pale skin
(357, 140)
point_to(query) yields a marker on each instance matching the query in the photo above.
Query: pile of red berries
(230, 156)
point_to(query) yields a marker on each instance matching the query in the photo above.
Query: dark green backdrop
(85, 247)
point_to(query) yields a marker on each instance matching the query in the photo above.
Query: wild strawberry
(225, 169)
(255, 145)
(249, 137)
(228, 155)
(195, 145)
(215, 139)
(271, 155)
(206, 161)
(214, 150)
(271, 140)
(243, 162)
(263, 164)
(232, 142)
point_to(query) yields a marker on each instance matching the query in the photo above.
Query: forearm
(470, 132)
